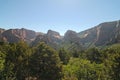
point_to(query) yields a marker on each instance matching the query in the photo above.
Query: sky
(57, 15)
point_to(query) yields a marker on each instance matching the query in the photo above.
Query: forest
(19, 61)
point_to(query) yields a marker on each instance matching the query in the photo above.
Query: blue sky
(58, 15)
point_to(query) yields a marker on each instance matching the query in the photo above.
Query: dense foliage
(18, 61)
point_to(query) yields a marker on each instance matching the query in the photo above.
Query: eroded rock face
(89, 37)
(2, 38)
(71, 36)
(1, 30)
(109, 33)
(71, 41)
(15, 35)
(54, 34)
(52, 38)
(103, 34)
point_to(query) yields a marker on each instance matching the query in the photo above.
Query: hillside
(106, 33)
(103, 34)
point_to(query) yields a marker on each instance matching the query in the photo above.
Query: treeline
(18, 61)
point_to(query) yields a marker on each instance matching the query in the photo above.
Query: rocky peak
(102, 34)
(1, 30)
(15, 35)
(69, 32)
(70, 35)
(71, 41)
(52, 38)
(109, 31)
(55, 34)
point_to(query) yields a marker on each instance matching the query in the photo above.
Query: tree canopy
(19, 61)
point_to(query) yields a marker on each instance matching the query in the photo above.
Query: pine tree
(45, 63)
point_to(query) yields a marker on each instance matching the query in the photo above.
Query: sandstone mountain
(16, 35)
(106, 33)
(71, 41)
(52, 38)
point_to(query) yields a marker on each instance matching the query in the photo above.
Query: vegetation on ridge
(18, 61)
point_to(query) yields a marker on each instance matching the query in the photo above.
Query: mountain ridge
(103, 34)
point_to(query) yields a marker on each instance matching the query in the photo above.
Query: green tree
(45, 63)
(75, 53)
(81, 69)
(112, 61)
(2, 61)
(64, 56)
(94, 55)
(17, 58)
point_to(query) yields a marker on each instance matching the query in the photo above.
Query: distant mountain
(71, 36)
(71, 41)
(1, 30)
(106, 33)
(16, 35)
(52, 38)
